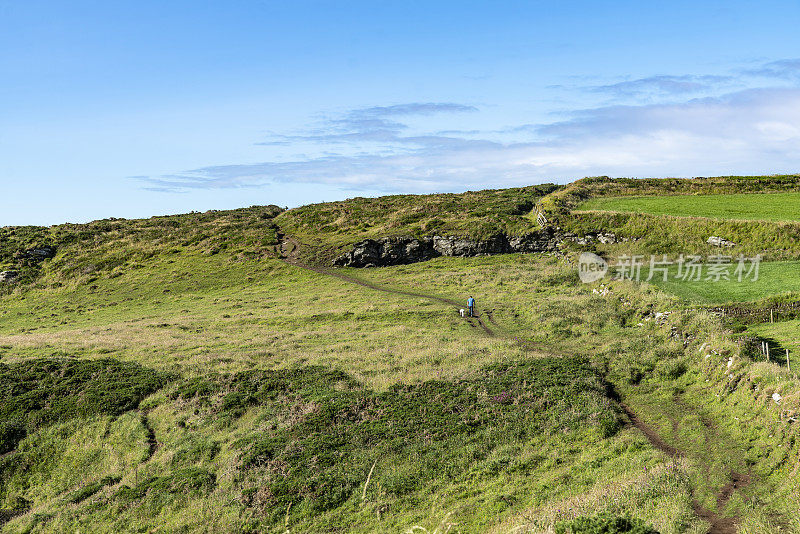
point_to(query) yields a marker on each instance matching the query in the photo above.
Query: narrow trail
(719, 524)
(289, 250)
(152, 443)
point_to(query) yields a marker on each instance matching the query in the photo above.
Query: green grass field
(782, 335)
(750, 206)
(197, 316)
(172, 374)
(774, 278)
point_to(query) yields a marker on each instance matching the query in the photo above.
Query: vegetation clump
(85, 492)
(604, 524)
(40, 392)
(179, 482)
(327, 430)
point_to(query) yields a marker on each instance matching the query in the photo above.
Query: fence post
(770, 315)
(788, 363)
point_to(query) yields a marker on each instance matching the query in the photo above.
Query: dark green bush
(11, 433)
(604, 524)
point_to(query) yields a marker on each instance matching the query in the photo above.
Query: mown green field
(774, 278)
(749, 206)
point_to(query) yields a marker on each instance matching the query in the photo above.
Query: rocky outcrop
(716, 241)
(387, 251)
(403, 250)
(459, 246)
(34, 255)
(593, 237)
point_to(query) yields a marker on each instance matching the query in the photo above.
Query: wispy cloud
(754, 130)
(663, 85)
(377, 124)
(411, 109)
(785, 69)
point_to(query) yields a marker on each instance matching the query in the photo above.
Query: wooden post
(788, 363)
(766, 348)
(770, 315)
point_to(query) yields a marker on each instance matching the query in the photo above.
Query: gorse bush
(11, 433)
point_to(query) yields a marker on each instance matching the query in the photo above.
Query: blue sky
(132, 109)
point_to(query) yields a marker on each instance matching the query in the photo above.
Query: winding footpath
(289, 252)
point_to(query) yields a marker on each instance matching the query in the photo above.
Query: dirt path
(152, 443)
(289, 251)
(719, 525)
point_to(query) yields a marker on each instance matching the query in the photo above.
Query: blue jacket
(470, 302)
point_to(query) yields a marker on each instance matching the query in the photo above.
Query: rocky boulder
(593, 237)
(35, 255)
(458, 246)
(716, 241)
(545, 240)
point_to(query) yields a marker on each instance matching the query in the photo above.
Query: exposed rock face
(8, 276)
(35, 255)
(716, 241)
(592, 237)
(403, 250)
(457, 246)
(46, 252)
(387, 251)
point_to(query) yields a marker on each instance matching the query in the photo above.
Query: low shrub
(604, 524)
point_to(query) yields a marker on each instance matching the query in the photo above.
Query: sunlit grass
(774, 278)
(748, 206)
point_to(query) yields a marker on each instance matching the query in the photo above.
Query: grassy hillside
(672, 227)
(204, 462)
(114, 245)
(173, 374)
(476, 214)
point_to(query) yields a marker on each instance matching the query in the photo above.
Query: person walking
(471, 306)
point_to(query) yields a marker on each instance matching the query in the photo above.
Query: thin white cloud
(753, 131)
(663, 85)
(784, 69)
